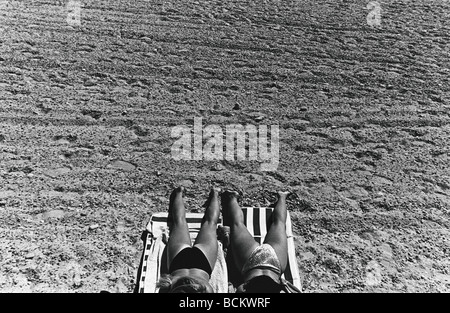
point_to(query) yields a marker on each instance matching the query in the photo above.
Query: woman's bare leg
(276, 236)
(242, 242)
(179, 232)
(206, 239)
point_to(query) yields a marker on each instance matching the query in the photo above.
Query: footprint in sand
(53, 173)
(121, 165)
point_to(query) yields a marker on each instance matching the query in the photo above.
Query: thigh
(206, 242)
(179, 239)
(277, 238)
(242, 245)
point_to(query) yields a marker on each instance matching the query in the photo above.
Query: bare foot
(177, 190)
(230, 207)
(213, 193)
(228, 195)
(283, 194)
(176, 204)
(216, 190)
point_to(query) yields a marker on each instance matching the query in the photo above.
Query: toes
(229, 195)
(180, 189)
(283, 194)
(215, 191)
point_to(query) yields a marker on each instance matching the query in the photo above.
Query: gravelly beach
(86, 114)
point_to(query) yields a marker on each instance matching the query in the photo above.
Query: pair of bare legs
(206, 239)
(242, 242)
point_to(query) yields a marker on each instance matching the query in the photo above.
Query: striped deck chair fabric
(258, 221)
(153, 262)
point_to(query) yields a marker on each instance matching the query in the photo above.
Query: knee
(210, 222)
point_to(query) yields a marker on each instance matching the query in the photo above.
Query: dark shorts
(190, 257)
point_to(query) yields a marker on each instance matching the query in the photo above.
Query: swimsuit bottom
(190, 257)
(263, 257)
(260, 284)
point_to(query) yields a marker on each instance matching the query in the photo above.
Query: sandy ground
(86, 114)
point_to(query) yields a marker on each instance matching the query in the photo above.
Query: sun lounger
(258, 221)
(153, 262)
